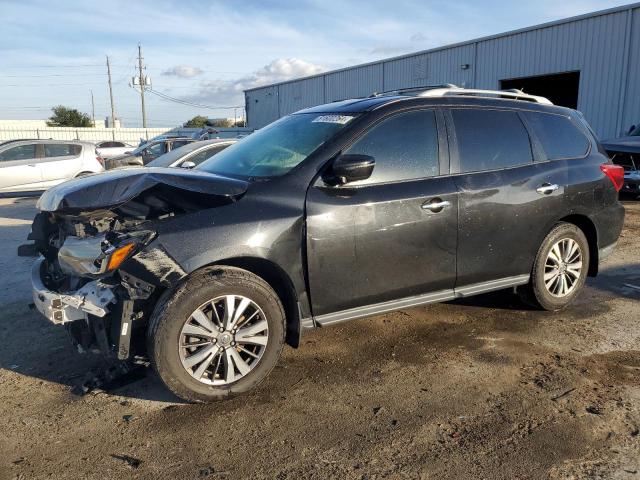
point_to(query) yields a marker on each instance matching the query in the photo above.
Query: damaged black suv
(336, 212)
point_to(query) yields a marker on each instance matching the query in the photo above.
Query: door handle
(547, 188)
(31, 165)
(435, 205)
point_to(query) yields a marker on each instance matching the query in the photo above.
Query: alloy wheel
(563, 267)
(223, 340)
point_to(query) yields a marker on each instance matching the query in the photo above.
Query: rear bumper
(93, 298)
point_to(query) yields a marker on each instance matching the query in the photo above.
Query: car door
(19, 169)
(506, 200)
(389, 237)
(61, 161)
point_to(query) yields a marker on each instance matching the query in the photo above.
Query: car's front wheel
(560, 268)
(219, 334)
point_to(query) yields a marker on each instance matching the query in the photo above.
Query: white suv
(30, 166)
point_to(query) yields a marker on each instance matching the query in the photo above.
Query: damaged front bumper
(93, 298)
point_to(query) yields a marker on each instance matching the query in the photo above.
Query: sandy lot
(484, 388)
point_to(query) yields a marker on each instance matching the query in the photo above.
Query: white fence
(89, 134)
(131, 135)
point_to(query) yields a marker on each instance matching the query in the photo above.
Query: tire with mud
(559, 270)
(217, 335)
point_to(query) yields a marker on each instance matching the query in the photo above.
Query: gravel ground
(481, 388)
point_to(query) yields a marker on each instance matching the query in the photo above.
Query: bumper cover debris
(93, 298)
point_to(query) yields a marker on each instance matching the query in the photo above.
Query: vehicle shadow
(619, 280)
(51, 357)
(41, 350)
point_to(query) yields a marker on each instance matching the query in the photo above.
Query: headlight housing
(98, 256)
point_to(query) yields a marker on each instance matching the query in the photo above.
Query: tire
(537, 293)
(174, 316)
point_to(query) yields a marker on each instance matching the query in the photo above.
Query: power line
(55, 75)
(187, 103)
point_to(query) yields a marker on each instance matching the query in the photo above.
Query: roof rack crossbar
(511, 93)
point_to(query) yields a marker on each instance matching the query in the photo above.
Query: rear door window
(404, 146)
(61, 150)
(490, 139)
(21, 152)
(559, 136)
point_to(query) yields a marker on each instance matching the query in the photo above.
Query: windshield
(169, 158)
(277, 148)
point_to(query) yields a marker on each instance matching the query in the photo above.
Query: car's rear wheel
(560, 268)
(218, 335)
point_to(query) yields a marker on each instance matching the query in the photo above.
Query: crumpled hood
(623, 144)
(113, 188)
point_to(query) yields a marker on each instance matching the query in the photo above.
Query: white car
(32, 166)
(113, 148)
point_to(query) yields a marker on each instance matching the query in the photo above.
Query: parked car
(625, 151)
(146, 153)
(31, 166)
(336, 212)
(191, 154)
(112, 148)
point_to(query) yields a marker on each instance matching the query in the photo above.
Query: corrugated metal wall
(630, 113)
(604, 47)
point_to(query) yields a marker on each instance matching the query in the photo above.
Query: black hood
(114, 188)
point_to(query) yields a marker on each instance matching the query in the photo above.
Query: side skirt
(434, 297)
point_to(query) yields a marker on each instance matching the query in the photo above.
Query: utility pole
(93, 109)
(142, 85)
(112, 124)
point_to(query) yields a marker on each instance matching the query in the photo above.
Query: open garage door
(560, 88)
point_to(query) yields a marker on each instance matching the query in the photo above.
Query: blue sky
(53, 52)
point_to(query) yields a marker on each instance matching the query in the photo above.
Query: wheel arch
(590, 231)
(277, 279)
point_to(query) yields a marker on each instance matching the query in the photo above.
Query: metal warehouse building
(590, 62)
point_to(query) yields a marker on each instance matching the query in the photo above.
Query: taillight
(100, 160)
(615, 174)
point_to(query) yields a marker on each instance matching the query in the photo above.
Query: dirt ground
(484, 388)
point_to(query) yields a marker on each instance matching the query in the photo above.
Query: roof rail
(513, 94)
(401, 91)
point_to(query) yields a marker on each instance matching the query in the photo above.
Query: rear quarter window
(490, 139)
(558, 135)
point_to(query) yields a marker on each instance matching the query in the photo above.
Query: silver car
(31, 166)
(191, 154)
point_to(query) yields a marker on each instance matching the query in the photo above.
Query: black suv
(337, 212)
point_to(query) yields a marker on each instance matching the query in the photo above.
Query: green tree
(221, 123)
(68, 117)
(199, 121)
(240, 123)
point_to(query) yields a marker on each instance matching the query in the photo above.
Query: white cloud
(230, 92)
(182, 71)
(418, 37)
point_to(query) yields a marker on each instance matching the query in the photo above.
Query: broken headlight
(97, 256)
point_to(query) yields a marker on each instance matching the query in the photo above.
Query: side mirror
(352, 167)
(187, 164)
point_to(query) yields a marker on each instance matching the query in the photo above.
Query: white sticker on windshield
(341, 119)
